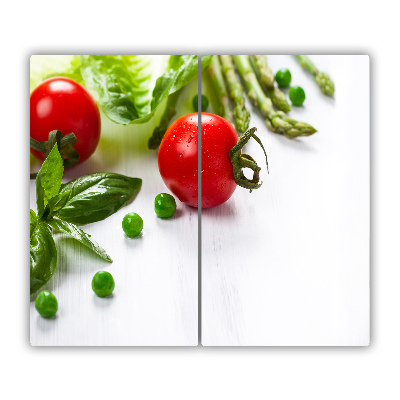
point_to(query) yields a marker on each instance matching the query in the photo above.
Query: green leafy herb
(33, 222)
(95, 197)
(58, 202)
(48, 180)
(87, 199)
(43, 256)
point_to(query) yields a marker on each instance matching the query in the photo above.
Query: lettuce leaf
(120, 84)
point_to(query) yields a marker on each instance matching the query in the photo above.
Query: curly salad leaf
(128, 88)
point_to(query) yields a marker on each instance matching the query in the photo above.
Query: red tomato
(63, 104)
(178, 163)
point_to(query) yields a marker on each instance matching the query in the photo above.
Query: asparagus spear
(169, 112)
(323, 81)
(267, 80)
(240, 113)
(221, 93)
(276, 120)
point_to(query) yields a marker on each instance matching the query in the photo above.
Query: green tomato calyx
(240, 161)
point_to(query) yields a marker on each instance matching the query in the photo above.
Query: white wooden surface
(155, 298)
(288, 264)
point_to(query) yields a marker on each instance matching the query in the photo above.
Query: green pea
(103, 283)
(164, 205)
(283, 78)
(46, 304)
(132, 224)
(204, 103)
(297, 95)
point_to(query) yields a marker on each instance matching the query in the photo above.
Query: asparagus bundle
(323, 81)
(240, 113)
(169, 112)
(267, 80)
(221, 93)
(276, 120)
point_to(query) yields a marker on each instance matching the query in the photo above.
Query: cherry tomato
(63, 104)
(178, 164)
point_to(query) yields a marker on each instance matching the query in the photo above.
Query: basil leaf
(33, 222)
(96, 197)
(43, 256)
(48, 180)
(39, 195)
(58, 202)
(120, 84)
(78, 234)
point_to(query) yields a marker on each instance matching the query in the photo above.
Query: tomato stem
(240, 161)
(65, 146)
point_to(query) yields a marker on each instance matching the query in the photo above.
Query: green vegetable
(48, 180)
(283, 78)
(219, 89)
(267, 80)
(297, 95)
(164, 205)
(204, 103)
(43, 255)
(132, 224)
(87, 199)
(119, 85)
(103, 283)
(240, 113)
(46, 304)
(323, 80)
(276, 121)
(169, 112)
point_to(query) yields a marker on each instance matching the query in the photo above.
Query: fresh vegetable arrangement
(88, 199)
(66, 125)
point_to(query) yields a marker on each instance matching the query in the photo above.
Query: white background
(280, 373)
(288, 264)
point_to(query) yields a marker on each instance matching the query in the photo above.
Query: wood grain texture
(155, 301)
(288, 265)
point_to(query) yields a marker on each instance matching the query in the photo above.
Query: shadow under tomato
(225, 210)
